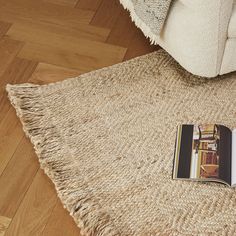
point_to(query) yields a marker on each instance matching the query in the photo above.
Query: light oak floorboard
(47, 73)
(18, 71)
(9, 49)
(45, 12)
(69, 3)
(123, 31)
(11, 134)
(77, 45)
(107, 14)
(21, 170)
(92, 5)
(4, 27)
(4, 223)
(35, 209)
(80, 30)
(71, 58)
(139, 45)
(60, 223)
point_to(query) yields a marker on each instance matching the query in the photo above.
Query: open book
(205, 153)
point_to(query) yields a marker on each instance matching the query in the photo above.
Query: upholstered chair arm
(195, 34)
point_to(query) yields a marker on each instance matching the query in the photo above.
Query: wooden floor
(43, 41)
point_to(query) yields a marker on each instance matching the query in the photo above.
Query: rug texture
(106, 140)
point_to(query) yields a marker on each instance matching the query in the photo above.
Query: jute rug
(106, 140)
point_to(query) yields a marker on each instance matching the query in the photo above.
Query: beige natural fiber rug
(106, 140)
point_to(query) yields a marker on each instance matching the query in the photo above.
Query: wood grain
(11, 134)
(67, 42)
(84, 58)
(123, 31)
(4, 223)
(80, 30)
(60, 223)
(92, 5)
(47, 73)
(4, 26)
(9, 49)
(45, 41)
(44, 12)
(107, 14)
(35, 209)
(18, 71)
(21, 170)
(87, 47)
(70, 3)
(139, 45)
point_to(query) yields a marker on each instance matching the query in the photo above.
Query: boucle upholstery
(232, 23)
(196, 35)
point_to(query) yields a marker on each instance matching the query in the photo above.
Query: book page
(233, 158)
(203, 153)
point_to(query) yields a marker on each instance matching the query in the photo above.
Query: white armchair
(199, 34)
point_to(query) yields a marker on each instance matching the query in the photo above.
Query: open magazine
(205, 153)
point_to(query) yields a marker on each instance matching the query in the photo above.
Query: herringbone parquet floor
(43, 41)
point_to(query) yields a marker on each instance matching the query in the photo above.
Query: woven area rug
(106, 140)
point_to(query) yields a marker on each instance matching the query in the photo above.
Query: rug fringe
(47, 141)
(127, 4)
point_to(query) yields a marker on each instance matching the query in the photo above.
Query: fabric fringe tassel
(127, 4)
(57, 163)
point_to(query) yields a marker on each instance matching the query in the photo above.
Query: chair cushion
(232, 23)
